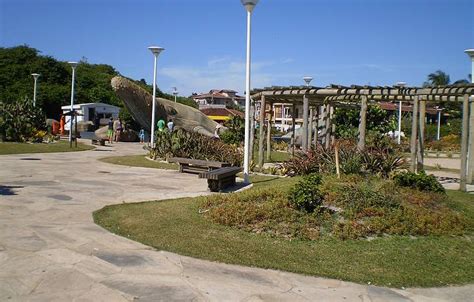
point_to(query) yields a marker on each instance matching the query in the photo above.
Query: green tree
(379, 121)
(235, 132)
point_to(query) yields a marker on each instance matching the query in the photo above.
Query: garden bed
(185, 226)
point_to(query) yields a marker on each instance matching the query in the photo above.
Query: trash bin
(55, 127)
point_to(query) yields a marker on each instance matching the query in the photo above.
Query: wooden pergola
(321, 101)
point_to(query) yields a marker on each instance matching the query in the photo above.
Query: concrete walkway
(50, 249)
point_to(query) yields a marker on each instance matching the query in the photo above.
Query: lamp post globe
(175, 93)
(73, 66)
(35, 77)
(249, 6)
(399, 137)
(156, 50)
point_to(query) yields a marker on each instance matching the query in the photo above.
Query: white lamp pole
(156, 51)
(35, 77)
(470, 53)
(399, 138)
(438, 133)
(249, 6)
(73, 65)
(175, 93)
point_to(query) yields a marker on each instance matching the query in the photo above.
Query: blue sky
(377, 42)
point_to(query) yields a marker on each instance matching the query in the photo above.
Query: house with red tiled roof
(224, 97)
(220, 113)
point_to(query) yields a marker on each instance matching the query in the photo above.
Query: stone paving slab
(50, 249)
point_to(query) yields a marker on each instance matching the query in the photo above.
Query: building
(88, 112)
(224, 97)
(220, 113)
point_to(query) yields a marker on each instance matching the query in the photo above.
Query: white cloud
(219, 73)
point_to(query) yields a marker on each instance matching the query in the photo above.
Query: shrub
(372, 207)
(181, 143)
(279, 146)
(20, 121)
(305, 195)
(419, 181)
(235, 132)
(451, 142)
(347, 121)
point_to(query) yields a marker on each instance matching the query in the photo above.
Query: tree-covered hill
(54, 85)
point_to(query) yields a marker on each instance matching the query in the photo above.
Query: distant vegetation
(54, 85)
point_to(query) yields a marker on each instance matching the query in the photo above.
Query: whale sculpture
(139, 102)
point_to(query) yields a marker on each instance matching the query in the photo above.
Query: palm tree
(438, 78)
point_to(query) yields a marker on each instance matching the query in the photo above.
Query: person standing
(118, 128)
(161, 125)
(142, 136)
(170, 125)
(110, 130)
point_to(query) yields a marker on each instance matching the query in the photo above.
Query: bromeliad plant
(380, 157)
(181, 143)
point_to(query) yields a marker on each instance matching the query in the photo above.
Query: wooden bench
(99, 141)
(221, 178)
(196, 166)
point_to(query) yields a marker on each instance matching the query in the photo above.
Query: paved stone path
(50, 249)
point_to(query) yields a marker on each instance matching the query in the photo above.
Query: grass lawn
(138, 161)
(275, 156)
(396, 261)
(61, 146)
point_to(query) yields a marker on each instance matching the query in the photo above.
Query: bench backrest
(198, 162)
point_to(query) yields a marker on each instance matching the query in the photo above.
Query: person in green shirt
(161, 125)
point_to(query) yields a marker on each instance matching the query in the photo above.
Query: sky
(376, 42)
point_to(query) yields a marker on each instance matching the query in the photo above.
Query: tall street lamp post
(35, 77)
(156, 51)
(438, 133)
(249, 6)
(73, 66)
(399, 138)
(175, 93)
(470, 161)
(470, 53)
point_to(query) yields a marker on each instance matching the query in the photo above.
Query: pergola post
(304, 137)
(252, 130)
(421, 136)
(362, 123)
(269, 133)
(323, 130)
(464, 141)
(310, 128)
(328, 126)
(414, 131)
(470, 169)
(293, 134)
(316, 130)
(261, 133)
(333, 127)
